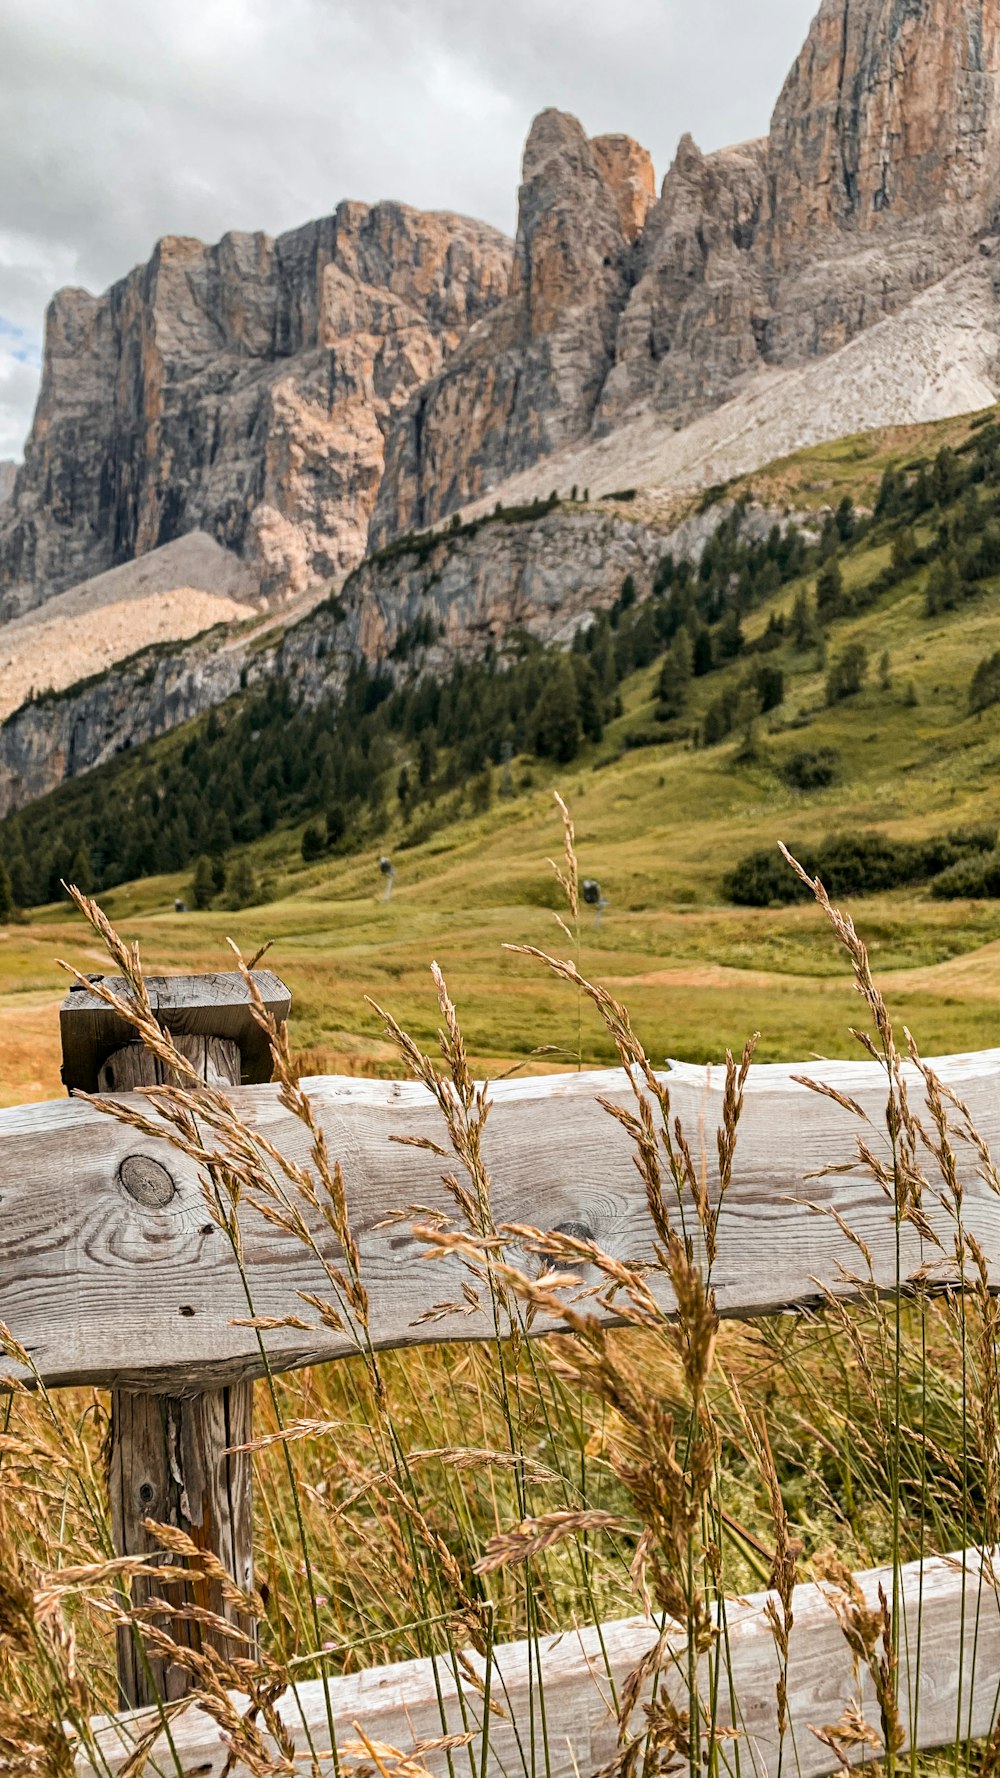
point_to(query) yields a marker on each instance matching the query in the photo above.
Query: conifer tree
(944, 586)
(426, 758)
(589, 701)
(482, 790)
(848, 673)
(729, 637)
(220, 841)
(80, 872)
(313, 845)
(19, 879)
(557, 726)
(703, 659)
(803, 620)
(675, 675)
(985, 687)
(904, 548)
(831, 600)
(242, 883)
(203, 886)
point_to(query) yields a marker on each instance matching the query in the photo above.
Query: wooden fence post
(167, 1458)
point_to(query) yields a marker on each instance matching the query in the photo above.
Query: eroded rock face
(8, 472)
(242, 389)
(881, 171)
(543, 577)
(884, 163)
(888, 116)
(879, 177)
(529, 379)
(689, 332)
(364, 376)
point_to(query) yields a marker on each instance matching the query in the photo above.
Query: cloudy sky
(121, 120)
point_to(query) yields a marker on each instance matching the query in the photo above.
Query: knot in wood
(577, 1231)
(147, 1181)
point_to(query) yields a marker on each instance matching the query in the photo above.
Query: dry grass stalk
(533, 1536)
(868, 1634)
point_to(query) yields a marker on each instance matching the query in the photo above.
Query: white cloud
(121, 120)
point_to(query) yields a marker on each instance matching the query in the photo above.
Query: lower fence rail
(557, 1698)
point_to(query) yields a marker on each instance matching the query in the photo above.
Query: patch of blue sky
(19, 343)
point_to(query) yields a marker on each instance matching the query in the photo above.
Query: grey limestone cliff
(879, 177)
(241, 389)
(457, 593)
(307, 398)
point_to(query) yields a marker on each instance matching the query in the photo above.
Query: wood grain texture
(398, 1705)
(169, 1458)
(191, 1006)
(167, 1462)
(102, 1290)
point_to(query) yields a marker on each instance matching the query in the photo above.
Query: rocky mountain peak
(573, 225)
(301, 399)
(530, 380)
(628, 170)
(891, 113)
(243, 389)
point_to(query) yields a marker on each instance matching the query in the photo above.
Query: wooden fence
(111, 1273)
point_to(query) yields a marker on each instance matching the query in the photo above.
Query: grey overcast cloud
(122, 120)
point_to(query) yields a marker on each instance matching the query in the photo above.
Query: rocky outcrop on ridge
(528, 379)
(241, 389)
(8, 470)
(411, 610)
(690, 332)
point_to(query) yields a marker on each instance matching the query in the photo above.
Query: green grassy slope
(659, 826)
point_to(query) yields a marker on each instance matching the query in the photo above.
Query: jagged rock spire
(890, 113)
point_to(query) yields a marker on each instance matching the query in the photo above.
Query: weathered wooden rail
(112, 1273)
(574, 1672)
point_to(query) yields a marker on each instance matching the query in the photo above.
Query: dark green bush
(313, 844)
(763, 877)
(975, 877)
(858, 864)
(811, 769)
(974, 839)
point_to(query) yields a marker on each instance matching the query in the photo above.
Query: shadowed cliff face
(365, 375)
(242, 389)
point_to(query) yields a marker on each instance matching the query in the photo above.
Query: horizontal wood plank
(104, 1289)
(399, 1705)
